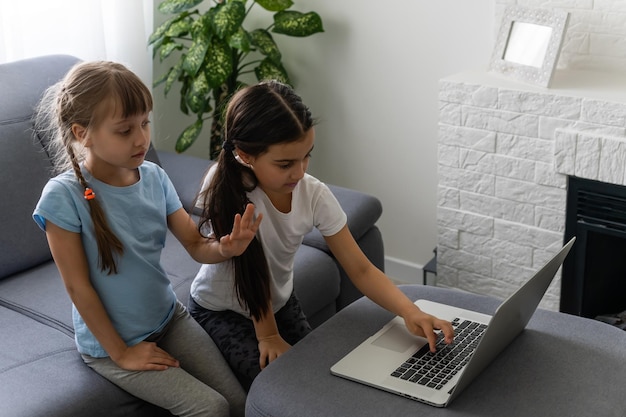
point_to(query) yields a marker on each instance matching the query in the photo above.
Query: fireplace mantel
(505, 151)
(609, 86)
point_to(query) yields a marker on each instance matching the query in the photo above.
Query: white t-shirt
(281, 234)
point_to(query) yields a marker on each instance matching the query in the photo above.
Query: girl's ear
(80, 133)
(242, 157)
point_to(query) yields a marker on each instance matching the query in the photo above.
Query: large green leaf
(189, 136)
(164, 27)
(159, 32)
(240, 40)
(292, 23)
(201, 28)
(172, 76)
(195, 56)
(161, 79)
(168, 78)
(228, 18)
(218, 63)
(176, 6)
(168, 48)
(269, 70)
(263, 40)
(179, 28)
(156, 46)
(275, 5)
(198, 94)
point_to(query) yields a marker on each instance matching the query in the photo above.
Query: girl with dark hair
(106, 215)
(247, 303)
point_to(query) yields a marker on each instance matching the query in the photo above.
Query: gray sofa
(41, 373)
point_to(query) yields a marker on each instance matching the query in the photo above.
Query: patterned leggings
(235, 337)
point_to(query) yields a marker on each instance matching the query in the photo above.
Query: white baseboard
(403, 272)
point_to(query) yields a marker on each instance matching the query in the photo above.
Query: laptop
(394, 360)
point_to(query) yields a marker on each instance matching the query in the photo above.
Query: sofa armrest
(186, 173)
(363, 211)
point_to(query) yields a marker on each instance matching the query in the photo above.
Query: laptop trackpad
(396, 338)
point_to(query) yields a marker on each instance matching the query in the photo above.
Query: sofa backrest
(24, 164)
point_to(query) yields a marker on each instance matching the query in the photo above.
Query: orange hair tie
(89, 194)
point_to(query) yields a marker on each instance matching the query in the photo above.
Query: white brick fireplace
(505, 152)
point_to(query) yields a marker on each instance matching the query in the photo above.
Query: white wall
(596, 35)
(372, 80)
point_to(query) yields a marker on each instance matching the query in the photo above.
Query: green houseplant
(215, 53)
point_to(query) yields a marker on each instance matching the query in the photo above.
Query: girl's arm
(207, 250)
(271, 343)
(373, 283)
(210, 251)
(69, 256)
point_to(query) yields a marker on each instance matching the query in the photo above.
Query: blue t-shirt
(139, 299)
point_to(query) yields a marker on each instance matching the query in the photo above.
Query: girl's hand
(423, 324)
(244, 230)
(270, 348)
(145, 356)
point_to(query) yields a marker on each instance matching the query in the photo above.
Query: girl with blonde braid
(105, 217)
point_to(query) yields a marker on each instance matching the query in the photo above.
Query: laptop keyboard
(434, 370)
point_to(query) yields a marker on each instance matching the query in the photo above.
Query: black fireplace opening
(593, 282)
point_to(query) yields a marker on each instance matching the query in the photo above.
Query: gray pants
(204, 385)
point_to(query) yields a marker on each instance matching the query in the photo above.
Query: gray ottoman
(561, 365)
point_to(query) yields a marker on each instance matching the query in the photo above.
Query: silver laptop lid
(510, 318)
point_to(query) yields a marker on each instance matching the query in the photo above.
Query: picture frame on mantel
(529, 43)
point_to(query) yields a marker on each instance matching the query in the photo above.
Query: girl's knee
(219, 407)
(209, 405)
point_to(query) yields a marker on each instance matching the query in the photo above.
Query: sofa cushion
(38, 359)
(316, 283)
(23, 160)
(153, 156)
(186, 173)
(24, 340)
(359, 220)
(179, 266)
(39, 294)
(22, 83)
(25, 172)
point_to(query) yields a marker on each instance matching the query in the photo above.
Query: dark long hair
(256, 117)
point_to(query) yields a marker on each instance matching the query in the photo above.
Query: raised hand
(244, 230)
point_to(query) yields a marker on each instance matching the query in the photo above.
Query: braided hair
(85, 97)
